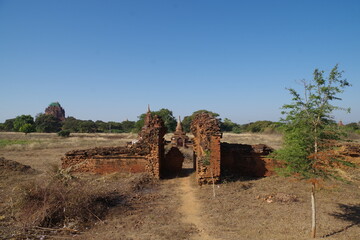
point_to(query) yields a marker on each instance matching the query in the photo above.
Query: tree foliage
(309, 126)
(64, 133)
(47, 123)
(9, 125)
(27, 128)
(71, 124)
(165, 114)
(22, 120)
(228, 126)
(262, 126)
(88, 126)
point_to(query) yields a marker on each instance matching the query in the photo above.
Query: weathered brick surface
(206, 144)
(246, 160)
(173, 162)
(105, 160)
(211, 157)
(152, 138)
(144, 156)
(179, 138)
(56, 110)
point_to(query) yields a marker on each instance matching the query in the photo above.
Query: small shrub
(64, 133)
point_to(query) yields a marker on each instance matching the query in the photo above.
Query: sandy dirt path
(191, 209)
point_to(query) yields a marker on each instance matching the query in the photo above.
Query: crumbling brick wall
(206, 145)
(246, 160)
(172, 164)
(152, 138)
(144, 156)
(105, 160)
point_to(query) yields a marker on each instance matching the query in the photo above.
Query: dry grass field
(134, 206)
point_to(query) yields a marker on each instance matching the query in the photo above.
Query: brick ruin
(106, 160)
(179, 138)
(246, 160)
(173, 163)
(56, 110)
(206, 146)
(146, 155)
(212, 158)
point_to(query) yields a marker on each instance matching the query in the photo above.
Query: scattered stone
(279, 198)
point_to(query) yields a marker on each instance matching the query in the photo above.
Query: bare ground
(266, 208)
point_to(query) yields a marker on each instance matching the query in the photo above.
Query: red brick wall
(246, 160)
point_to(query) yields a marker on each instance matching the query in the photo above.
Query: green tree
(47, 123)
(9, 125)
(168, 118)
(352, 128)
(228, 126)
(102, 126)
(115, 127)
(87, 126)
(27, 128)
(309, 128)
(71, 124)
(128, 126)
(22, 120)
(64, 133)
(165, 114)
(262, 126)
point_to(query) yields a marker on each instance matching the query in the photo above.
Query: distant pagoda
(56, 110)
(179, 139)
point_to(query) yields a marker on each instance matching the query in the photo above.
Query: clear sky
(107, 60)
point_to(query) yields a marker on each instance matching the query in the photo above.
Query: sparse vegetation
(56, 203)
(309, 127)
(64, 133)
(138, 206)
(310, 130)
(7, 142)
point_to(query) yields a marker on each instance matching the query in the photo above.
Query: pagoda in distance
(56, 110)
(179, 139)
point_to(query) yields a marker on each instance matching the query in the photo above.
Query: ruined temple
(213, 159)
(179, 138)
(56, 110)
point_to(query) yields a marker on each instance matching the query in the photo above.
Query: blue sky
(107, 60)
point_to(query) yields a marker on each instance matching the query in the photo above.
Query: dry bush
(61, 201)
(141, 181)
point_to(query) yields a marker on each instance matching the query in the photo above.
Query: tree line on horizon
(46, 123)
